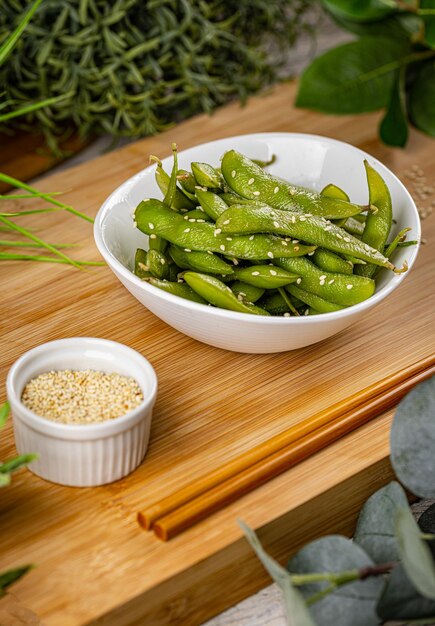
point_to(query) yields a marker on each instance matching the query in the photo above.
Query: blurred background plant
(390, 66)
(131, 68)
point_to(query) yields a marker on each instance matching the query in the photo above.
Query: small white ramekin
(82, 455)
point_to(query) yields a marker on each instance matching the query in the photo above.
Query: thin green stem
(25, 244)
(21, 196)
(29, 235)
(34, 106)
(425, 11)
(336, 578)
(5, 256)
(20, 185)
(320, 594)
(10, 43)
(17, 214)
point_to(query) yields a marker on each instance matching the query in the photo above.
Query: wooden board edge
(183, 600)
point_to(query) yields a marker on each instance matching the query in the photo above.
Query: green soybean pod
(180, 200)
(251, 181)
(246, 292)
(316, 302)
(218, 294)
(177, 289)
(200, 261)
(378, 225)
(173, 271)
(141, 268)
(338, 288)
(212, 204)
(265, 276)
(187, 181)
(274, 303)
(331, 262)
(157, 263)
(206, 175)
(354, 226)
(197, 214)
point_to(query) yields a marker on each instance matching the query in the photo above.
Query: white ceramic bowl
(307, 160)
(82, 455)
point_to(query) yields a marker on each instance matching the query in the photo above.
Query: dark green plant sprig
(388, 571)
(133, 67)
(391, 66)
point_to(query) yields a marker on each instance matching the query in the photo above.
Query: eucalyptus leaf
(394, 126)
(400, 600)
(416, 555)
(353, 78)
(4, 413)
(413, 436)
(297, 612)
(11, 576)
(422, 98)
(426, 521)
(360, 10)
(375, 531)
(353, 603)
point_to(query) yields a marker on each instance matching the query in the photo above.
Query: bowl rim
(129, 276)
(89, 431)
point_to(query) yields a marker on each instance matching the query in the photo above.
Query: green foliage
(392, 62)
(413, 440)
(132, 67)
(388, 571)
(11, 576)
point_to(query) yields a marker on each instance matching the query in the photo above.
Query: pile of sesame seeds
(81, 396)
(422, 191)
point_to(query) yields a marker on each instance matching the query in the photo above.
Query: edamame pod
(212, 204)
(246, 292)
(197, 215)
(312, 228)
(180, 200)
(177, 289)
(338, 288)
(187, 181)
(378, 225)
(331, 262)
(266, 276)
(250, 181)
(157, 263)
(141, 268)
(206, 175)
(152, 216)
(218, 294)
(200, 261)
(316, 302)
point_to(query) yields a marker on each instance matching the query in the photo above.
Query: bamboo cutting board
(94, 564)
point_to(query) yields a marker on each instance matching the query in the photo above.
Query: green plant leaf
(30, 108)
(297, 612)
(422, 98)
(351, 604)
(11, 576)
(416, 556)
(12, 465)
(4, 413)
(429, 22)
(353, 78)
(10, 43)
(400, 600)
(426, 521)
(375, 531)
(360, 10)
(412, 439)
(396, 26)
(393, 129)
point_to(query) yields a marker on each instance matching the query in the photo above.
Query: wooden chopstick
(178, 511)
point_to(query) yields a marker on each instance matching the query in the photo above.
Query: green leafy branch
(391, 66)
(388, 571)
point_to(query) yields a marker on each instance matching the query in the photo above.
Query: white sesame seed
(310, 253)
(284, 243)
(162, 261)
(295, 241)
(250, 181)
(338, 236)
(233, 174)
(302, 218)
(308, 215)
(186, 217)
(201, 221)
(222, 247)
(270, 255)
(286, 314)
(151, 226)
(209, 252)
(235, 261)
(187, 230)
(187, 250)
(226, 222)
(273, 272)
(307, 312)
(276, 224)
(229, 238)
(323, 277)
(255, 273)
(217, 232)
(276, 190)
(322, 282)
(135, 223)
(298, 281)
(256, 193)
(192, 219)
(251, 238)
(346, 239)
(153, 236)
(349, 286)
(331, 281)
(293, 219)
(180, 280)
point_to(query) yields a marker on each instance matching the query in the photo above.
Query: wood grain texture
(95, 565)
